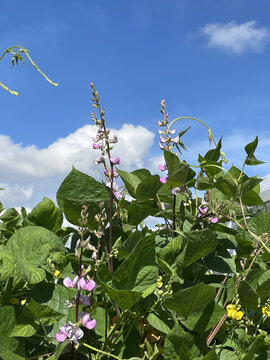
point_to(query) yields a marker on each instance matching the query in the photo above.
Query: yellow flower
(23, 301)
(233, 313)
(57, 274)
(266, 310)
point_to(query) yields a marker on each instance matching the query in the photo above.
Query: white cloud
(236, 38)
(29, 173)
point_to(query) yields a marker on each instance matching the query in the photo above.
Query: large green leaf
(205, 318)
(26, 251)
(11, 348)
(172, 162)
(173, 346)
(46, 214)
(7, 319)
(198, 245)
(148, 188)
(79, 189)
(248, 295)
(181, 177)
(190, 300)
(188, 247)
(123, 298)
(131, 180)
(139, 270)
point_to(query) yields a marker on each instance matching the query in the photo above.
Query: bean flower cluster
(204, 213)
(103, 142)
(84, 285)
(70, 331)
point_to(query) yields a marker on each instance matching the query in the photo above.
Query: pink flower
(115, 160)
(176, 190)
(163, 180)
(97, 146)
(162, 167)
(100, 160)
(213, 219)
(88, 323)
(203, 210)
(62, 335)
(70, 283)
(118, 195)
(86, 285)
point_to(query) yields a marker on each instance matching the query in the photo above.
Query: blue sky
(208, 59)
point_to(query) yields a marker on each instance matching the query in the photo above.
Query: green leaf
(188, 247)
(263, 289)
(251, 147)
(181, 177)
(204, 183)
(173, 346)
(79, 189)
(129, 244)
(139, 270)
(248, 295)
(158, 323)
(252, 198)
(211, 355)
(7, 322)
(199, 244)
(54, 296)
(188, 301)
(252, 161)
(46, 214)
(9, 215)
(148, 188)
(213, 154)
(43, 313)
(11, 349)
(205, 318)
(125, 299)
(249, 184)
(172, 162)
(26, 251)
(220, 261)
(226, 186)
(103, 321)
(131, 180)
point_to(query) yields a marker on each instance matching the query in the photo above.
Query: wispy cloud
(236, 38)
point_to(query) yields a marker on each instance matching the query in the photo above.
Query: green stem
(194, 119)
(101, 351)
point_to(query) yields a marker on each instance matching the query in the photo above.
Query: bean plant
(195, 286)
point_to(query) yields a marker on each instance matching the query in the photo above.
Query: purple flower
(202, 210)
(88, 323)
(62, 335)
(162, 167)
(69, 283)
(70, 331)
(100, 160)
(163, 180)
(115, 160)
(115, 173)
(85, 300)
(86, 285)
(176, 190)
(118, 195)
(213, 219)
(97, 146)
